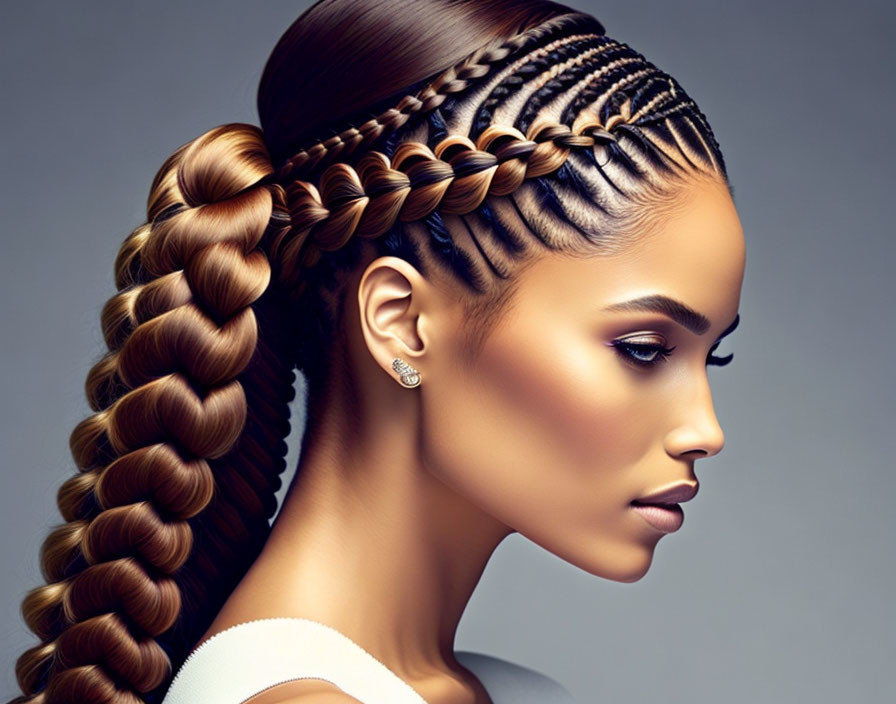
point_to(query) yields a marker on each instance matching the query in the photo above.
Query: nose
(699, 429)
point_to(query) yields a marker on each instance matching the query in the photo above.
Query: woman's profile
(500, 248)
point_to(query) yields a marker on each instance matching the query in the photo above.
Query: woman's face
(560, 422)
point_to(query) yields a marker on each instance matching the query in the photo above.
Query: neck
(371, 543)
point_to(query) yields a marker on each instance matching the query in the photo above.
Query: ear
(395, 303)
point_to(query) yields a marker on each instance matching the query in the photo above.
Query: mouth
(661, 509)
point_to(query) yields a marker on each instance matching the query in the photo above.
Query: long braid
(191, 410)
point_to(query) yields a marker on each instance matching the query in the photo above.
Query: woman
(501, 248)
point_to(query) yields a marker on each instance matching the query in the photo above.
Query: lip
(677, 494)
(666, 518)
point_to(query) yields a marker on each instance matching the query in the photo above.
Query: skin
(404, 494)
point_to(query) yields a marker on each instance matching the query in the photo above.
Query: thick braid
(62, 553)
(457, 79)
(455, 178)
(172, 446)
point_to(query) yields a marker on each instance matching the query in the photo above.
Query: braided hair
(520, 128)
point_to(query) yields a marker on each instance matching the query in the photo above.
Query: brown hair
(361, 55)
(249, 233)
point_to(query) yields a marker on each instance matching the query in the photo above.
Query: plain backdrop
(778, 588)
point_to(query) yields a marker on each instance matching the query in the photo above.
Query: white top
(244, 660)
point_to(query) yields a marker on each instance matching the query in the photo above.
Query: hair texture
(464, 137)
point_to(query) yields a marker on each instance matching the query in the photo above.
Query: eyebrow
(679, 312)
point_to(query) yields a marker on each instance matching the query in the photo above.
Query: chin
(625, 565)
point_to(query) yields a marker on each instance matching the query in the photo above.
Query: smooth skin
(550, 431)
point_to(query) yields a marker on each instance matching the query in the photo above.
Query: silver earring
(410, 377)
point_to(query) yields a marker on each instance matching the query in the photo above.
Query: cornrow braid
(610, 57)
(651, 97)
(455, 177)
(539, 61)
(457, 79)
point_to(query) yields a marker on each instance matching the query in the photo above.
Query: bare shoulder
(303, 691)
(321, 698)
(511, 681)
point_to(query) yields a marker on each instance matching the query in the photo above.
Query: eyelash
(628, 349)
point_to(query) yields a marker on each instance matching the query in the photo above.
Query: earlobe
(409, 376)
(390, 295)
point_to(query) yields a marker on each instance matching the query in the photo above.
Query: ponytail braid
(187, 443)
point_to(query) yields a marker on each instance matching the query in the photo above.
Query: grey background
(778, 587)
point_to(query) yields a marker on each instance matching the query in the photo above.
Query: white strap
(243, 660)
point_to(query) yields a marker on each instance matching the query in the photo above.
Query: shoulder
(320, 698)
(303, 691)
(504, 681)
(513, 682)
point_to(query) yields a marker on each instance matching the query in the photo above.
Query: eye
(645, 355)
(642, 355)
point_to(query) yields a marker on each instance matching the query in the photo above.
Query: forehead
(694, 252)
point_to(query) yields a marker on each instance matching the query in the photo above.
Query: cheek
(548, 422)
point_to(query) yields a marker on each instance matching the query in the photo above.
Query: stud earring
(410, 377)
